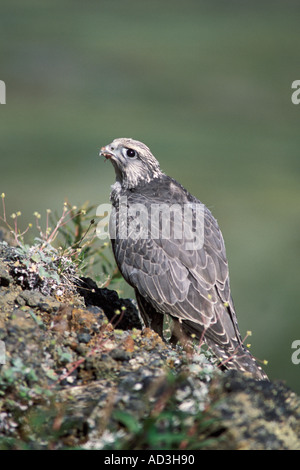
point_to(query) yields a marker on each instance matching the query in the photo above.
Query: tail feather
(239, 359)
(232, 354)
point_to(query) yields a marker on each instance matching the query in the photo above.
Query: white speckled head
(132, 160)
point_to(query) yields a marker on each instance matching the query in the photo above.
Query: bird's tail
(231, 355)
(238, 359)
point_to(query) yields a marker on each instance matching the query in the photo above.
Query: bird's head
(132, 160)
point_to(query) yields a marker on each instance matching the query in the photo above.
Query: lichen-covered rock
(257, 415)
(73, 379)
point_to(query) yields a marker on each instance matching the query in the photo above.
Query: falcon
(169, 248)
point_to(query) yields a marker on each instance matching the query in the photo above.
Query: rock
(84, 337)
(257, 415)
(5, 278)
(33, 298)
(71, 379)
(122, 312)
(120, 355)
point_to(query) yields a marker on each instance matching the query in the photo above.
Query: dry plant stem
(59, 224)
(3, 205)
(13, 230)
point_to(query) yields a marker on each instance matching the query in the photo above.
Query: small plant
(46, 235)
(61, 254)
(44, 269)
(22, 378)
(13, 229)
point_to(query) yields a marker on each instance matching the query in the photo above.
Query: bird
(168, 246)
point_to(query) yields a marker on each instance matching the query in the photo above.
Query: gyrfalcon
(169, 248)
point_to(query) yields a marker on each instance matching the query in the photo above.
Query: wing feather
(189, 284)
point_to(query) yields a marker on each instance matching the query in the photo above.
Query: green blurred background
(207, 85)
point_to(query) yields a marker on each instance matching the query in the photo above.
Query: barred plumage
(188, 282)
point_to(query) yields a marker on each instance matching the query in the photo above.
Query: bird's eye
(131, 153)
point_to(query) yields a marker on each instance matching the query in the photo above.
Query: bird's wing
(190, 284)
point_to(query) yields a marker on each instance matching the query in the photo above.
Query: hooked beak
(104, 152)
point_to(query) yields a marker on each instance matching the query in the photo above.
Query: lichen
(72, 379)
